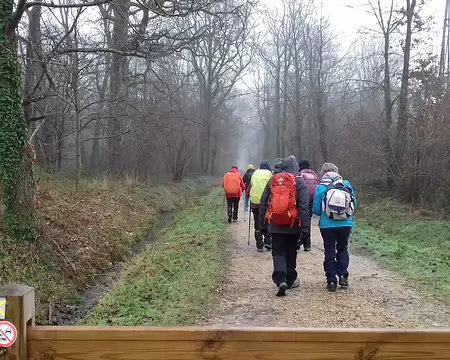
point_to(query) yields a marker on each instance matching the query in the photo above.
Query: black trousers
(233, 207)
(261, 236)
(284, 254)
(307, 242)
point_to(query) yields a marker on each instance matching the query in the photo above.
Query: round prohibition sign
(8, 334)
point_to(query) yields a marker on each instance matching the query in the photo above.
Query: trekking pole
(249, 221)
(224, 205)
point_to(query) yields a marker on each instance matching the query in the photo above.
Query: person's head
(234, 168)
(250, 167)
(265, 164)
(328, 167)
(277, 165)
(289, 165)
(304, 164)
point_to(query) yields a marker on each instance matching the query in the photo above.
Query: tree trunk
(277, 108)
(403, 97)
(388, 110)
(16, 155)
(118, 74)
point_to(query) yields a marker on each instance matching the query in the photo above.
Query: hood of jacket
(330, 177)
(234, 170)
(289, 165)
(265, 165)
(277, 165)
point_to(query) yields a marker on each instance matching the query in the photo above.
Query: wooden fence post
(20, 311)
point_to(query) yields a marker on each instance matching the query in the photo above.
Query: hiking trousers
(261, 236)
(284, 254)
(233, 207)
(335, 243)
(307, 242)
(246, 201)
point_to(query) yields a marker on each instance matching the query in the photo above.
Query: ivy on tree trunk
(16, 154)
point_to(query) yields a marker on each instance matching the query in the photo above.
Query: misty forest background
(152, 89)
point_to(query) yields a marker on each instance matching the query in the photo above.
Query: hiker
(335, 203)
(247, 177)
(312, 181)
(233, 186)
(284, 211)
(258, 183)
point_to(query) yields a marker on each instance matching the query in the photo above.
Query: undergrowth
(83, 233)
(171, 281)
(412, 241)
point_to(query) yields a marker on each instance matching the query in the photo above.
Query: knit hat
(250, 167)
(304, 164)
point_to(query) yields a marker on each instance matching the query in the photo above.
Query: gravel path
(376, 297)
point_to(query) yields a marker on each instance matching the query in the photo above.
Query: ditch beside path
(376, 298)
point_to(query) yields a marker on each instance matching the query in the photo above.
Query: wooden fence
(138, 343)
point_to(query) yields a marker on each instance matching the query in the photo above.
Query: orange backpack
(283, 201)
(232, 184)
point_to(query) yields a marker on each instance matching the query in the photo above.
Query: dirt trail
(376, 297)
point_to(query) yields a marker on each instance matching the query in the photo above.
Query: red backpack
(311, 180)
(282, 209)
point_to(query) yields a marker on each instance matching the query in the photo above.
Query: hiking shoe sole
(282, 289)
(260, 250)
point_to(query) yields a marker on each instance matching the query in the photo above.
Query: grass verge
(173, 279)
(83, 233)
(411, 241)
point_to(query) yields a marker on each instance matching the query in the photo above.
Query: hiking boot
(268, 243)
(229, 219)
(307, 249)
(332, 287)
(295, 284)
(234, 220)
(282, 289)
(260, 249)
(259, 240)
(343, 282)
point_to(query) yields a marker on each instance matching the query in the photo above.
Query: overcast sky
(348, 16)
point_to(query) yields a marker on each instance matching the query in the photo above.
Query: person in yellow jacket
(258, 183)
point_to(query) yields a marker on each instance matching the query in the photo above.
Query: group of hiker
(282, 201)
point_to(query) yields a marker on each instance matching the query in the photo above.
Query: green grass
(83, 233)
(172, 280)
(408, 240)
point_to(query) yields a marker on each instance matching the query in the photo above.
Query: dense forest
(149, 89)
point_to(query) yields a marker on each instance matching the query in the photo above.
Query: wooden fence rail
(139, 343)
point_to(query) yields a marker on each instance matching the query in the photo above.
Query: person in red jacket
(233, 185)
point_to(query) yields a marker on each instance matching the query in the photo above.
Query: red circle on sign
(14, 338)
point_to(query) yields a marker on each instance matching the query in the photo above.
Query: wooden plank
(131, 343)
(233, 350)
(81, 333)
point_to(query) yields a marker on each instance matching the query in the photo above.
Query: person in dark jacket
(247, 178)
(285, 238)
